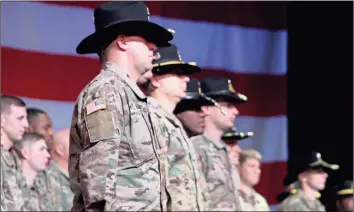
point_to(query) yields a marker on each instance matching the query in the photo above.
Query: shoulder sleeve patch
(97, 104)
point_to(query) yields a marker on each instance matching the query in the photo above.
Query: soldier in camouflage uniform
(186, 185)
(291, 189)
(220, 173)
(114, 155)
(312, 178)
(59, 177)
(32, 151)
(13, 125)
(249, 168)
(189, 111)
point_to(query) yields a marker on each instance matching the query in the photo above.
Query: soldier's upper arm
(98, 167)
(200, 149)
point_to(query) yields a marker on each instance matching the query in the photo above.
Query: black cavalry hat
(171, 62)
(194, 98)
(345, 189)
(232, 135)
(312, 160)
(221, 87)
(122, 17)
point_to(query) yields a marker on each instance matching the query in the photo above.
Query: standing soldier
(312, 178)
(189, 109)
(114, 155)
(291, 189)
(13, 125)
(186, 185)
(213, 153)
(344, 195)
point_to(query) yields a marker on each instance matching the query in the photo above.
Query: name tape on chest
(97, 104)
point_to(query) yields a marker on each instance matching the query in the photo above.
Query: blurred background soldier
(290, 190)
(185, 182)
(59, 177)
(39, 122)
(231, 138)
(250, 173)
(189, 111)
(13, 125)
(312, 177)
(220, 173)
(32, 150)
(344, 194)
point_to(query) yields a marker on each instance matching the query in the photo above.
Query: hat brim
(191, 102)
(228, 96)
(150, 31)
(234, 136)
(177, 67)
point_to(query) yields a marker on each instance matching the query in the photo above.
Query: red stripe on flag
(268, 15)
(271, 180)
(60, 77)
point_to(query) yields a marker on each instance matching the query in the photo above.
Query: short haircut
(7, 101)
(248, 154)
(32, 113)
(28, 138)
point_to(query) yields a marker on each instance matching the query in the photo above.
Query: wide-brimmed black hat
(308, 161)
(194, 98)
(290, 189)
(232, 135)
(220, 87)
(344, 189)
(170, 61)
(122, 18)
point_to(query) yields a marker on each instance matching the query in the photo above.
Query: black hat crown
(193, 86)
(110, 13)
(169, 55)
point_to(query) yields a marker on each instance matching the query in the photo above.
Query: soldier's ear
(25, 153)
(155, 81)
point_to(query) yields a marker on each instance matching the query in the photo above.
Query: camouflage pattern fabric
(186, 184)
(113, 150)
(220, 174)
(300, 202)
(253, 202)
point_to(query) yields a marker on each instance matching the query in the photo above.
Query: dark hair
(28, 137)
(7, 101)
(33, 113)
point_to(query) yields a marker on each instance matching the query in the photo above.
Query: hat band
(345, 191)
(173, 63)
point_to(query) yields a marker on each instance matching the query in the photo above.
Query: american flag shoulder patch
(97, 104)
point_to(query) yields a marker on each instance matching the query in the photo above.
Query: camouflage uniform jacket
(186, 184)
(300, 202)
(113, 149)
(11, 194)
(60, 183)
(253, 202)
(220, 174)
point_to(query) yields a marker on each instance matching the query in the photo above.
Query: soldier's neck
(29, 173)
(123, 63)
(309, 192)
(62, 163)
(166, 103)
(246, 188)
(6, 143)
(213, 132)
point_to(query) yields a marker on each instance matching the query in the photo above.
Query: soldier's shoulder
(292, 202)
(105, 78)
(197, 138)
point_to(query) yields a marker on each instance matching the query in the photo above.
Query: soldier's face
(140, 53)
(193, 121)
(173, 86)
(345, 204)
(37, 155)
(223, 122)
(250, 171)
(42, 125)
(15, 123)
(316, 179)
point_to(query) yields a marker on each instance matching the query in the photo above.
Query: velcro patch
(97, 104)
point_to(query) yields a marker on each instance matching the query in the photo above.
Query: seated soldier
(312, 176)
(34, 157)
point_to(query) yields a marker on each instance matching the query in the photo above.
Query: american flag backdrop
(245, 41)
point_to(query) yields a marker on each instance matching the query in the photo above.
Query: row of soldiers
(144, 135)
